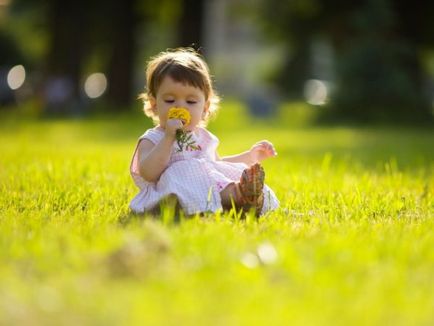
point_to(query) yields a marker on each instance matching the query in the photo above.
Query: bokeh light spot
(95, 85)
(250, 260)
(315, 92)
(16, 77)
(267, 253)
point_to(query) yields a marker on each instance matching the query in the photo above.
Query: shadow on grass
(168, 211)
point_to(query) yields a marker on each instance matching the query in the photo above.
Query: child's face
(172, 93)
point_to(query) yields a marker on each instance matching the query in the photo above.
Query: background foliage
(381, 51)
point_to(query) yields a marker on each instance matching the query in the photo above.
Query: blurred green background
(360, 61)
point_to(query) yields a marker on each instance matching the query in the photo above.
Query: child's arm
(244, 157)
(153, 159)
(257, 153)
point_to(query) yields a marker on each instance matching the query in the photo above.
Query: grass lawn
(353, 242)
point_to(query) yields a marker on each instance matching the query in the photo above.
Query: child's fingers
(176, 123)
(273, 150)
(268, 147)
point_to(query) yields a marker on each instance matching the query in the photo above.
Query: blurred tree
(20, 37)
(84, 37)
(121, 24)
(380, 75)
(292, 23)
(77, 30)
(67, 24)
(190, 23)
(378, 46)
(10, 52)
(10, 55)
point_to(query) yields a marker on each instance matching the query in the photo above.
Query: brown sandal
(250, 188)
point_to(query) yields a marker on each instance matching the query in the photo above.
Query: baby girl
(178, 157)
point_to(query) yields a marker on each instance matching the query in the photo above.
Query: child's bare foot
(250, 188)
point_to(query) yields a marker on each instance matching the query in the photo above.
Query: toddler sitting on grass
(178, 157)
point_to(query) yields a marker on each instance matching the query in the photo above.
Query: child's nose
(182, 104)
(179, 104)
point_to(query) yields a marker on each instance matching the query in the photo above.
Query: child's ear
(153, 103)
(206, 109)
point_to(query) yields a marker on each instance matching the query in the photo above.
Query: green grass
(352, 243)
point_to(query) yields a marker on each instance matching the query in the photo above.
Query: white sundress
(194, 176)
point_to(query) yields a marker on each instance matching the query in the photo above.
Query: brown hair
(184, 65)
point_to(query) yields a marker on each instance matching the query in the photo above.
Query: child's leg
(247, 193)
(251, 188)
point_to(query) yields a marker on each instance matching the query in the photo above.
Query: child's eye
(169, 101)
(191, 102)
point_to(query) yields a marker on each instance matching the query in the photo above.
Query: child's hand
(262, 150)
(171, 126)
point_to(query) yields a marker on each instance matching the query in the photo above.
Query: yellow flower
(181, 114)
(183, 137)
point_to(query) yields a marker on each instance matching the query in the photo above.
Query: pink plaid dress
(194, 176)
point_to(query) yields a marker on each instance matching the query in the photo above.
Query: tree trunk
(67, 24)
(190, 25)
(121, 62)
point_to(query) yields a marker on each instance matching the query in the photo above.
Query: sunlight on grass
(351, 244)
